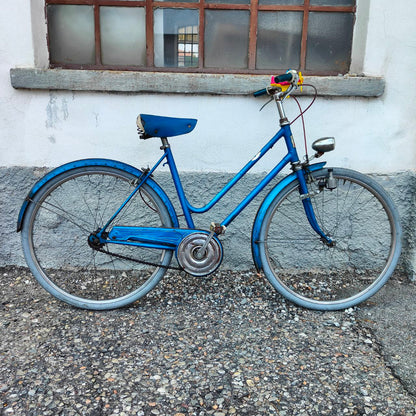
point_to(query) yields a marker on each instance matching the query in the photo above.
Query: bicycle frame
(188, 209)
(169, 238)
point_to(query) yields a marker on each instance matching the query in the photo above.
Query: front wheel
(357, 214)
(58, 230)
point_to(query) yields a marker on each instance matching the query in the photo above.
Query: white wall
(42, 128)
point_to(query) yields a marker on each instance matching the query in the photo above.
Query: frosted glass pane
(71, 34)
(176, 37)
(123, 35)
(226, 38)
(278, 40)
(282, 2)
(329, 42)
(332, 2)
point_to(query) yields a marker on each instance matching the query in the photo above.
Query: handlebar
(291, 77)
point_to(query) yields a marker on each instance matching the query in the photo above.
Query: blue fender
(255, 233)
(93, 162)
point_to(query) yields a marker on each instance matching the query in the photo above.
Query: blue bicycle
(100, 234)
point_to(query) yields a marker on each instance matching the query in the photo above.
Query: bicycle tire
(362, 220)
(59, 220)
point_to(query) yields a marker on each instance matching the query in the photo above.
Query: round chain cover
(193, 262)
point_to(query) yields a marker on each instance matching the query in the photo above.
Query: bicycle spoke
(64, 215)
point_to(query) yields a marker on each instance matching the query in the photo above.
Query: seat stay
(140, 182)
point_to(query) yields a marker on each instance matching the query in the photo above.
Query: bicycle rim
(62, 217)
(358, 215)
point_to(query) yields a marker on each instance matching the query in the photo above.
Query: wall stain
(96, 116)
(51, 111)
(56, 113)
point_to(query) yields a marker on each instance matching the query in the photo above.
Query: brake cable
(268, 102)
(302, 112)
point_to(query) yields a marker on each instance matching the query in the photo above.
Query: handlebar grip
(260, 92)
(277, 79)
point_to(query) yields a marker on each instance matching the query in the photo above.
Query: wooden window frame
(150, 5)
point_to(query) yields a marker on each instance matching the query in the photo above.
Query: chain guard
(187, 257)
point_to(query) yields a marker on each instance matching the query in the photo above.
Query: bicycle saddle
(158, 126)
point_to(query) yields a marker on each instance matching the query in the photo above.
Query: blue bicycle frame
(169, 238)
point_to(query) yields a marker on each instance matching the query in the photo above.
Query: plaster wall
(373, 134)
(48, 128)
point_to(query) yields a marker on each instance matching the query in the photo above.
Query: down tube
(266, 180)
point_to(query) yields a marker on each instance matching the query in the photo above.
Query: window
(188, 46)
(214, 36)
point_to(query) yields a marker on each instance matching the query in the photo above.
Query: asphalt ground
(223, 345)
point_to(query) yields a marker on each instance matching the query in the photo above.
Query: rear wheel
(63, 257)
(362, 220)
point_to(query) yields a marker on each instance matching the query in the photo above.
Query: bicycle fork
(306, 196)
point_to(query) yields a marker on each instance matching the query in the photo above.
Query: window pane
(226, 38)
(71, 34)
(123, 35)
(281, 2)
(279, 40)
(332, 2)
(329, 41)
(176, 37)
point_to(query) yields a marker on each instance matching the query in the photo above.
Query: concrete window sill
(181, 83)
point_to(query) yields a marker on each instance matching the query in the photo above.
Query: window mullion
(97, 34)
(304, 35)
(201, 34)
(252, 34)
(149, 34)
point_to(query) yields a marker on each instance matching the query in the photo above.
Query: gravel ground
(223, 345)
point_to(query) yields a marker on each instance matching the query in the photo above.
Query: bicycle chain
(147, 263)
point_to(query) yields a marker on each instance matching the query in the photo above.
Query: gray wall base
(17, 181)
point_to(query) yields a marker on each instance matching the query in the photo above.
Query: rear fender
(93, 162)
(255, 234)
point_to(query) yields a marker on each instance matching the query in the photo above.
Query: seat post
(165, 143)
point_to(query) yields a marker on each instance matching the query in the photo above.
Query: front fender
(93, 162)
(263, 208)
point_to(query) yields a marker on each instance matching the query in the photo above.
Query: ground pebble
(223, 345)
